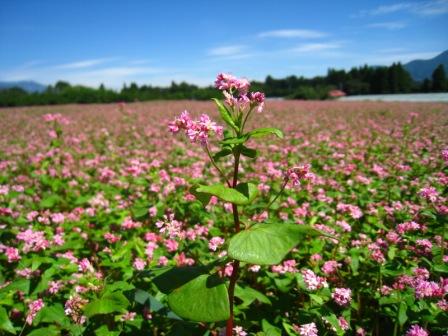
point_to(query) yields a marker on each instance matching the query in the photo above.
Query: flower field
(102, 223)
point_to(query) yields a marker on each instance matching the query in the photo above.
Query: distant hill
(29, 86)
(422, 69)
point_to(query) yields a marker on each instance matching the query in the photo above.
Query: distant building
(336, 93)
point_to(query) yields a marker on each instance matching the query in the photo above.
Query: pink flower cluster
(312, 281)
(429, 193)
(34, 240)
(309, 329)
(73, 308)
(195, 130)
(11, 253)
(342, 296)
(56, 117)
(33, 308)
(330, 267)
(354, 211)
(288, 266)
(416, 330)
(298, 173)
(215, 242)
(236, 91)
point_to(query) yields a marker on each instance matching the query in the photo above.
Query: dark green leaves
(267, 244)
(5, 323)
(243, 194)
(201, 299)
(261, 132)
(194, 294)
(109, 303)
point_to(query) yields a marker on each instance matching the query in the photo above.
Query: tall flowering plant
(200, 293)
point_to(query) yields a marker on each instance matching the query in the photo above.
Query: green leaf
(5, 322)
(316, 298)
(22, 285)
(249, 295)
(261, 132)
(109, 303)
(225, 114)
(170, 278)
(104, 331)
(49, 202)
(141, 296)
(119, 285)
(50, 331)
(243, 194)
(249, 152)
(235, 140)
(203, 299)
(267, 244)
(222, 153)
(269, 329)
(402, 317)
(52, 314)
(202, 197)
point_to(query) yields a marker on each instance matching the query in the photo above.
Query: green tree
(439, 83)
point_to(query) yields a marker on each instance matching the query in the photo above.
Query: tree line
(356, 81)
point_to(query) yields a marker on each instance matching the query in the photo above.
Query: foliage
(105, 229)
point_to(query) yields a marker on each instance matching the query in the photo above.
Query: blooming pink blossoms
(34, 307)
(195, 130)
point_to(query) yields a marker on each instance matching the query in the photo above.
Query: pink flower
(171, 245)
(342, 296)
(445, 155)
(196, 130)
(239, 331)
(257, 98)
(226, 82)
(309, 329)
(73, 308)
(33, 308)
(298, 173)
(215, 242)
(129, 316)
(54, 286)
(139, 264)
(85, 266)
(330, 267)
(13, 254)
(416, 330)
(429, 193)
(312, 281)
(343, 323)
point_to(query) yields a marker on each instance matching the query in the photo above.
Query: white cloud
(315, 47)
(231, 50)
(84, 73)
(83, 64)
(391, 25)
(422, 8)
(293, 33)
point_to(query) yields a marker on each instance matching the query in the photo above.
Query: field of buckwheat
(113, 225)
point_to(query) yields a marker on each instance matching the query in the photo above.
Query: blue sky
(116, 42)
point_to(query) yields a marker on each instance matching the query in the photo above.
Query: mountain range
(29, 86)
(419, 70)
(422, 69)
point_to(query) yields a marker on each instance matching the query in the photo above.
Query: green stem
(245, 119)
(236, 263)
(277, 196)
